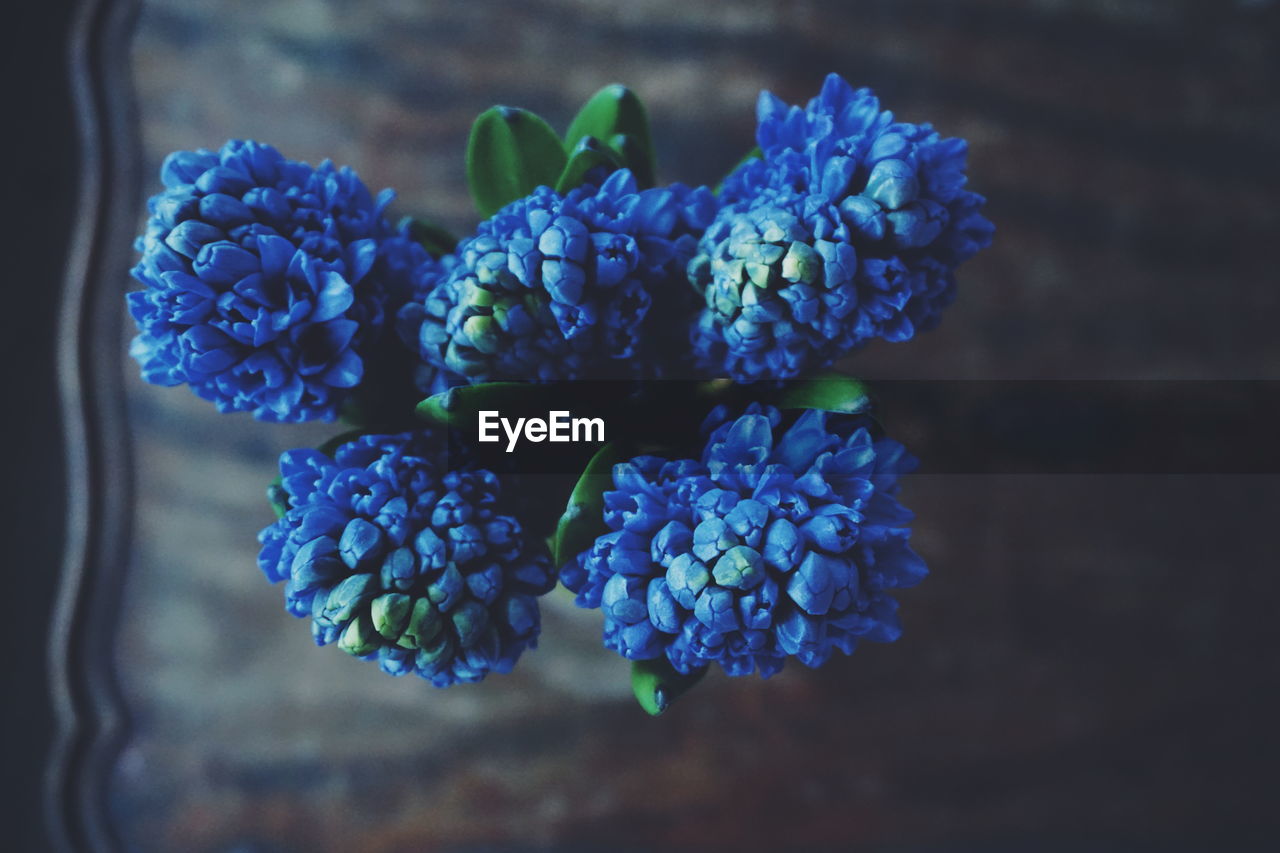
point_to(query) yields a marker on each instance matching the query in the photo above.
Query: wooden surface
(1091, 665)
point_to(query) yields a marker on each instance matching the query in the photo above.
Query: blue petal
(664, 611)
(813, 584)
(563, 280)
(470, 620)
(836, 175)
(223, 262)
(361, 256)
(864, 216)
(345, 372)
(486, 584)
(892, 184)
(522, 615)
(739, 568)
(686, 578)
(711, 538)
(224, 210)
(714, 609)
(446, 589)
(398, 570)
(624, 599)
(360, 541)
(189, 237)
(797, 632)
(184, 167)
(334, 298)
(782, 546)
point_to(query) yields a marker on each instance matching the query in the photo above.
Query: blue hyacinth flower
(266, 281)
(849, 227)
(398, 553)
(565, 287)
(784, 540)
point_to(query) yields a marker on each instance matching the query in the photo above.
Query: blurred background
(1092, 664)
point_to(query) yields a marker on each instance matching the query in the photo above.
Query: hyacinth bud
(396, 557)
(783, 540)
(891, 184)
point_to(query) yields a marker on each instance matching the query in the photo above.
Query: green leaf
(616, 110)
(831, 392)
(753, 154)
(634, 157)
(656, 684)
(511, 152)
(459, 406)
(278, 497)
(583, 517)
(587, 155)
(436, 240)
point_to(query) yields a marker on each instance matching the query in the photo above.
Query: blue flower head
(415, 273)
(849, 227)
(397, 557)
(560, 287)
(264, 281)
(783, 540)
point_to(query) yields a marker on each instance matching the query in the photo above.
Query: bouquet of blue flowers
(728, 499)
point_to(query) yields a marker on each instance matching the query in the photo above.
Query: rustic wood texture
(1091, 665)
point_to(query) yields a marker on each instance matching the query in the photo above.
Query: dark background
(1092, 664)
(41, 166)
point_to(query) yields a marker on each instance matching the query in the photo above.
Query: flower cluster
(269, 284)
(559, 287)
(399, 558)
(848, 227)
(265, 281)
(783, 540)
